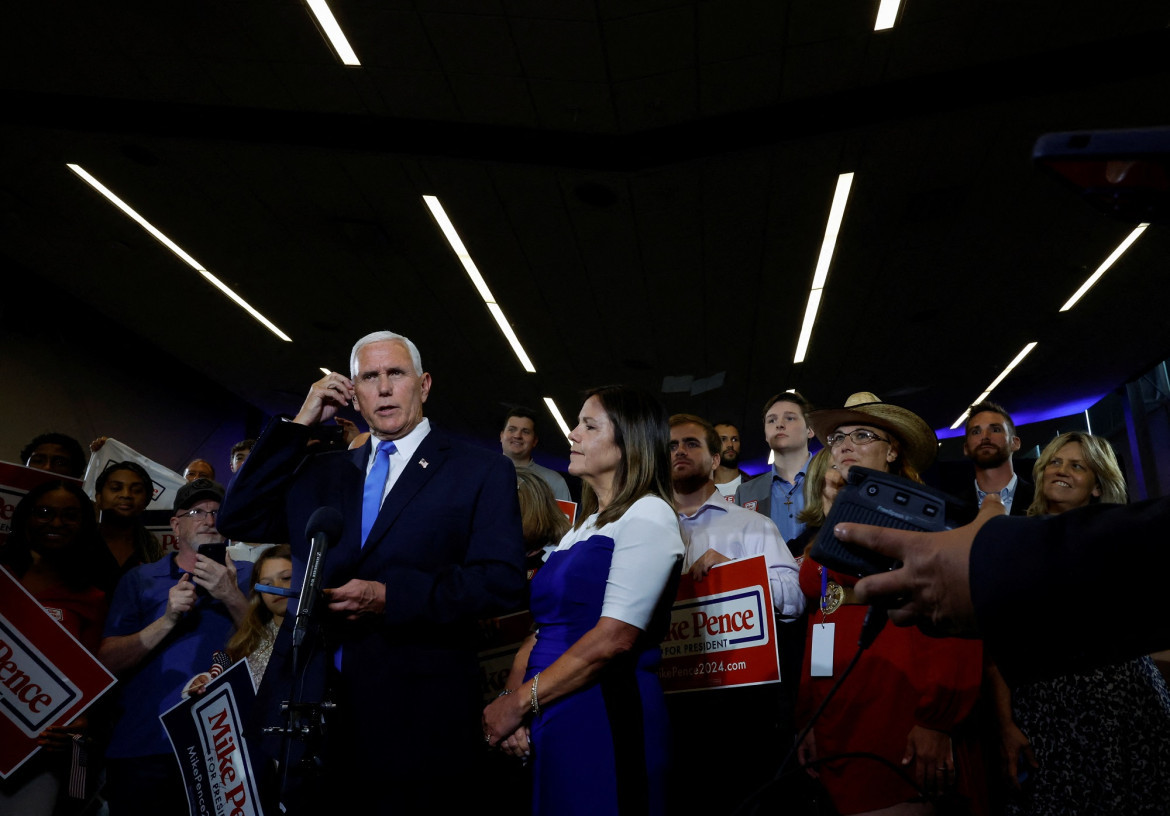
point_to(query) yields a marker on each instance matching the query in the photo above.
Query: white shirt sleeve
(647, 546)
(783, 573)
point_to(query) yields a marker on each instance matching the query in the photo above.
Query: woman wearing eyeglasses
(908, 692)
(53, 550)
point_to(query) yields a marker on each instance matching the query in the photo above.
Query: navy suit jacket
(965, 510)
(447, 544)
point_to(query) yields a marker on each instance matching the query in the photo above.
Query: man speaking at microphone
(431, 543)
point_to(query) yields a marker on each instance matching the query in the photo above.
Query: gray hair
(381, 337)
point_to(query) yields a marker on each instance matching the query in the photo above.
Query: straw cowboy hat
(918, 445)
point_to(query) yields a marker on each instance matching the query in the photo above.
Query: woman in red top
(908, 692)
(54, 550)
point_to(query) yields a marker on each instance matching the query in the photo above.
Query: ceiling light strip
(175, 248)
(456, 243)
(128, 210)
(332, 31)
(556, 415)
(1103, 268)
(824, 260)
(887, 15)
(994, 383)
(513, 340)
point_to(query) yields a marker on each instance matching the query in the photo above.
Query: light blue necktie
(375, 485)
(372, 502)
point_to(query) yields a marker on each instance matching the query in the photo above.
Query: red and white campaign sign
(46, 676)
(569, 508)
(722, 630)
(500, 639)
(15, 483)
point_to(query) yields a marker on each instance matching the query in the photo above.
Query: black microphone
(323, 529)
(875, 622)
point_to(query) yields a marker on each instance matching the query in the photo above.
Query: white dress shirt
(403, 453)
(737, 533)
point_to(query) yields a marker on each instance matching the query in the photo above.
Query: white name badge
(822, 649)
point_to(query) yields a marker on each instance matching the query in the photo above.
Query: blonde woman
(1096, 741)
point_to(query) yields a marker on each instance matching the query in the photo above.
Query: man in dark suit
(989, 443)
(431, 544)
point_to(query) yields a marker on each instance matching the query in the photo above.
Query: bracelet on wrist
(533, 698)
(504, 693)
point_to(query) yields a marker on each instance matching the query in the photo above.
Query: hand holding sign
(700, 568)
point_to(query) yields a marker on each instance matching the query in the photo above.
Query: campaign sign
(207, 734)
(722, 630)
(15, 483)
(164, 481)
(569, 508)
(499, 641)
(158, 523)
(46, 676)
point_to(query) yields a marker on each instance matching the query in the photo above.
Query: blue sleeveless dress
(604, 748)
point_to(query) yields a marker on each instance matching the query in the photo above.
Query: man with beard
(715, 531)
(728, 476)
(990, 442)
(719, 720)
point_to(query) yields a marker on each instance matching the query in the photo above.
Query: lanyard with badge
(832, 596)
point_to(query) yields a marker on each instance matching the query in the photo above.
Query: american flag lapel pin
(423, 462)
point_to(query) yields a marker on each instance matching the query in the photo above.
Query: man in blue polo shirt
(165, 621)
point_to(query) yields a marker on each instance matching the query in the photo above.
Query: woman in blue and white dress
(583, 698)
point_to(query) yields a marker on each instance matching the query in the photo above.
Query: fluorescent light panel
(556, 415)
(1104, 267)
(821, 273)
(325, 371)
(994, 383)
(887, 15)
(175, 248)
(448, 229)
(332, 31)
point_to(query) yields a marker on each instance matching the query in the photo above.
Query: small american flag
(77, 768)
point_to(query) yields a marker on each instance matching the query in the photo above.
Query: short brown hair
(713, 442)
(788, 396)
(993, 408)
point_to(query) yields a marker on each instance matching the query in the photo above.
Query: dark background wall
(67, 368)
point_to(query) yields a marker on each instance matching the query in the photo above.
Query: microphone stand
(305, 721)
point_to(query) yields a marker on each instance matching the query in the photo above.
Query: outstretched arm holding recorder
(1035, 589)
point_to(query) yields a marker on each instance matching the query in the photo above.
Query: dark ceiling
(643, 184)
